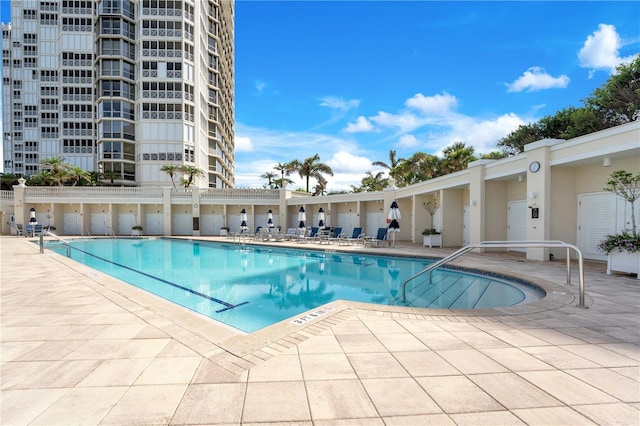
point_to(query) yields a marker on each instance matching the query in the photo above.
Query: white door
(182, 224)
(347, 222)
(71, 224)
(517, 222)
(375, 220)
(596, 218)
(154, 224)
(99, 223)
(210, 224)
(466, 238)
(125, 222)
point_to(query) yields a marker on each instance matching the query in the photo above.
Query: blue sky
(353, 80)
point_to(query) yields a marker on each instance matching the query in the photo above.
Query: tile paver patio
(79, 347)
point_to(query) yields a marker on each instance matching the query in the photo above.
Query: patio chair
(356, 236)
(28, 230)
(381, 238)
(292, 233)
(19, 230)
(262, 234)
(336, 235)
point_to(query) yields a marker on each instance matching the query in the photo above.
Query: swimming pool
(250, 286)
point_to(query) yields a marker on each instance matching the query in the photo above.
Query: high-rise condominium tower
(122, 87)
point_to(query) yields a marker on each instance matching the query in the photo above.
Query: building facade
(120, 87)
(552, 191)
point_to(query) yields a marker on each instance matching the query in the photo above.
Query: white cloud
(243, 144)
(408, 141)
(405, 121)
(423, 110)
(260, 85)
(601, 50)
(437, 104)
(344, 161)
(339, 103)
(480, 134)
(361, 125)
(536, 78)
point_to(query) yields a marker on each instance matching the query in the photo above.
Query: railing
(89, 191)
(509, 244)
(65, 242)
(6, 195)
(247, 193)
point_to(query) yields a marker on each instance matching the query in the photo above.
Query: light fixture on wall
(474, 202)
(606, 162)
(520, 178)
(532, 194)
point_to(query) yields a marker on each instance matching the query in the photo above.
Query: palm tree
(285, 169)
(279, 183)
(270, 176)
(417, 168)
(192, 172)
(311, 168)
(8, 180)
(321, 186)
(457, 157)
(111, 176)
(394, 162)
(57, 167)
(78, 174)
(171, 170)
(372, 182)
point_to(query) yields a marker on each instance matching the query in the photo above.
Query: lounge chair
(304, 235)
(29, 230)
(336, 235)
(263, 234)
(275, 235)
(291, 234)
(19, 230)
(356, 237)
(381, 238)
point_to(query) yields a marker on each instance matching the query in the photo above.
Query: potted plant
(136, 230)
(224, 231)
(623, 248)
(431, 237)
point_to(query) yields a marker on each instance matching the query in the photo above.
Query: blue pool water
(251, 287)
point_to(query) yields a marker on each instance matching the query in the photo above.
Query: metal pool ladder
(509, 244)
(65, 242)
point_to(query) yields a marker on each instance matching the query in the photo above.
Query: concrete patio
(79, 347)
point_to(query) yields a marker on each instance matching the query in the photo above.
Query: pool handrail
(65, 242)
(509, 244)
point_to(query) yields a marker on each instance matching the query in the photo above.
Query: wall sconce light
(532, 194)
(520, 178)
(606, 162)
(474, 202)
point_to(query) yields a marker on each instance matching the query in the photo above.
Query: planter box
(432, 240)
(623, 262)
(136, 232)
(223, 232)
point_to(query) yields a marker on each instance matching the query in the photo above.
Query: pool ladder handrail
(509, 244)
(65, 242)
